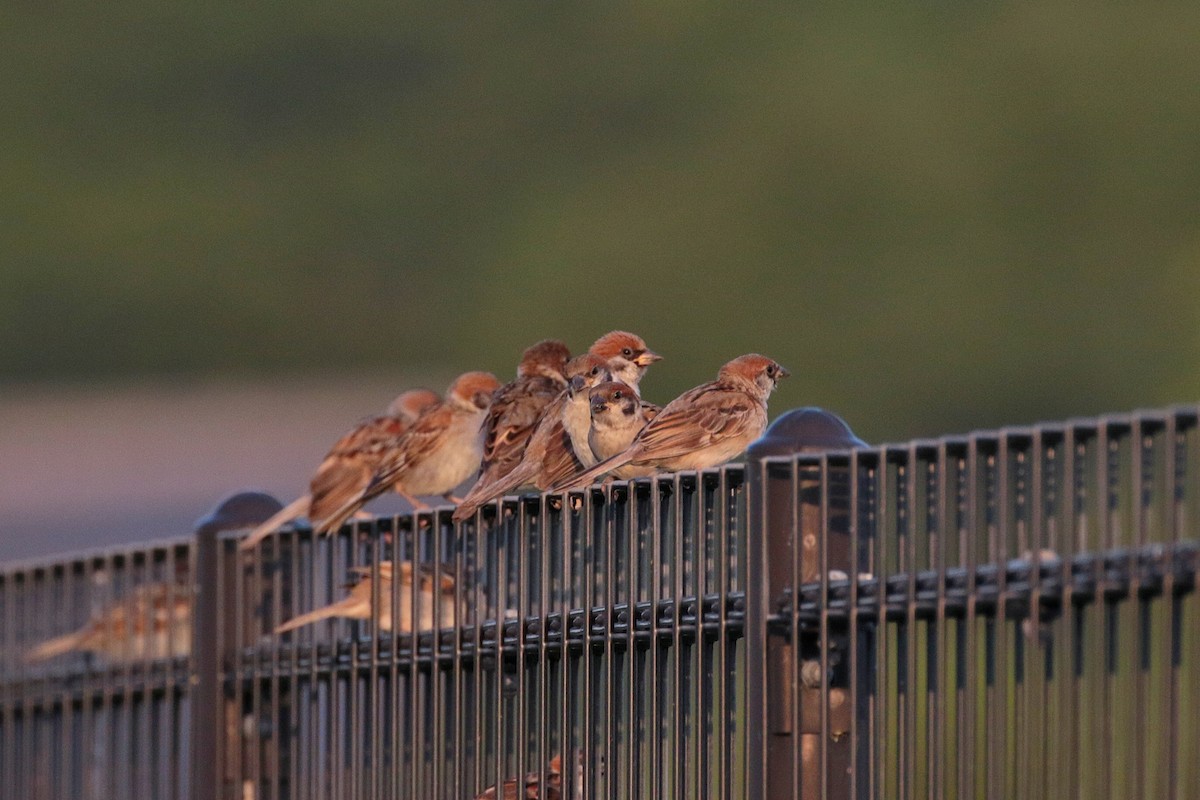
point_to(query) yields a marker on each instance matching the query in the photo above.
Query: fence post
(208, 701)
(773, 747)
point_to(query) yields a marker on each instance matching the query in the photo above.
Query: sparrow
(626, 355)
(348, 466)
(152, 621)
(617, 416)
(516, 407)
(532, 785)
(704, 426)
(441, 450)
(357, 604)
(549, 455)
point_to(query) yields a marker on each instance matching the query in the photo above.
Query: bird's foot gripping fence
(1003, 615)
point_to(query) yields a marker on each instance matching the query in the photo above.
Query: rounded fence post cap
(804, 430)
(240, 510)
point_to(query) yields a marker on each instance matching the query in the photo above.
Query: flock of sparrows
(561, 424)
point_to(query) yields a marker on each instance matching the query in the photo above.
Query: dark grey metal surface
(1002, 615)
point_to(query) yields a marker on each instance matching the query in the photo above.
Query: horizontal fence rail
(1002, 615)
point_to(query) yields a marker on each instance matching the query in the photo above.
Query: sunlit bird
(349, 465)
(439, 451)
(704, 426)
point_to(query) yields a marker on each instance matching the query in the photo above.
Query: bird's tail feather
(338, 609)
(481, 495)
(589, 476)
(56, 646)
(293, 510)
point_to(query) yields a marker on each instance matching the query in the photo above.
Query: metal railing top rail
(116, 552)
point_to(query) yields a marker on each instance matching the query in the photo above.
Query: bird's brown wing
(559, 461)
(396, 456)
(516, 409)
(493, 484)
(339, 479)
(695, 420)
(368, 436)
(413, 447)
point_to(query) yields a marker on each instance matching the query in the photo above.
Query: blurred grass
(939, 218)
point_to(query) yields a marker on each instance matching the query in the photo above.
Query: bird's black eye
(617, 395)
(595, 370)
(627, 352)
(771, 371)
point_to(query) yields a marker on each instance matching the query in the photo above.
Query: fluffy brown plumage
(617, 416)
(549, 455)
(704, 426)
(437, 453)
(348, 466)
(517, 406)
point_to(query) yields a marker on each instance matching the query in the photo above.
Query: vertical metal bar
(678, 700)
(756, 630)
(520, 697)
(632, 585)
(208, 745)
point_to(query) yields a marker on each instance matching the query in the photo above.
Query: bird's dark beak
(783, 373)
(646, 358)
(577, 383)
(598, 407)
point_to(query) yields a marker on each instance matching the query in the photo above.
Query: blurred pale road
(86, 468)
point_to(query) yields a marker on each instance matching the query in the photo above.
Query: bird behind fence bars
(359, 603)
(152, 621)
(532, 787)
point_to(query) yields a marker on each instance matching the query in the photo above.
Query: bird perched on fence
(438, 452)
(532, 786)
(152, 621)
(704, 426)
(517, 406)
(626, 355)
(349, 465)
(617, 416)
(363, 602)
(549, 454)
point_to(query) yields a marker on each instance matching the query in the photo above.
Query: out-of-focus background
(227, 235)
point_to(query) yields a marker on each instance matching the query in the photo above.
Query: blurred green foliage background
(940, 218)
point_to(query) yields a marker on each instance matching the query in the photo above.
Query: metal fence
(1009, 614)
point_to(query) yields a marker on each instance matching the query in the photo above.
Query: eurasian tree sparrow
(626, 355)
(152, 621)
(704, 426)
(532, 788)
(517, 406)
(348, 466)
(358, 603)
(617, 417)
(441, 450)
